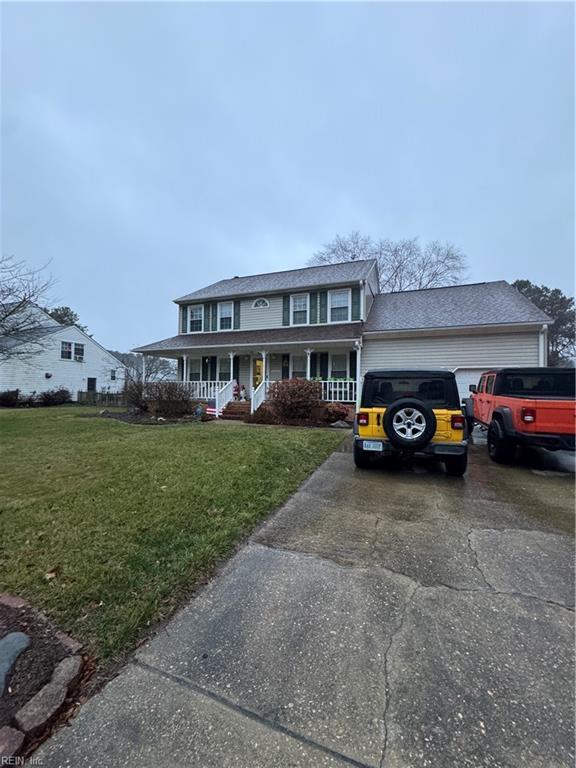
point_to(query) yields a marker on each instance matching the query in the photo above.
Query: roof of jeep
(395, 372)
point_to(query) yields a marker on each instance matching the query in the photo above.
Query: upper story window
(113, 374)
(66, 351)
(339, 306)
(299, 310)
(261, 304)
(196, 318)
(225, 312)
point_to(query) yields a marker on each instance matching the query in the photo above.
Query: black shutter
(323, 365)
(184, 319)
(236, 314)
(205, 369)
(214, 316)
(285, 366)
(285, 310)
(213, 364)
(323, 307)
(353, 358)
(236, 368)
(207, 317)
(314, 307)
(180, 369)
(356, 314)
(313, 365)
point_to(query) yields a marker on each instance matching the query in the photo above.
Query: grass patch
(106, 525)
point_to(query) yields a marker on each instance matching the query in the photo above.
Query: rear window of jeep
(538, 385)
(435, 391)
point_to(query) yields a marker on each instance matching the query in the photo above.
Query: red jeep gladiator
(525, 406)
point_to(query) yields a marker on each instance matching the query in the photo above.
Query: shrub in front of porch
(294, 399)
(169, 399)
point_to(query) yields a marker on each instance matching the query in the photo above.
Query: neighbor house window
(339, 366)
(113, 375)
(300, 309)
(194, 369)
(225, 311)
(79, 353)
(339, 303)
(298, 366)
(66, 350)
(196, 319)
(224, 369)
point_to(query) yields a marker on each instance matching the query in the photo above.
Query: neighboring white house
(331, 323)
(61, 356)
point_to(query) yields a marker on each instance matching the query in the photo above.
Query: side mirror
(473, 388)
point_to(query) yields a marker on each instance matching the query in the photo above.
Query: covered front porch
(223, 375)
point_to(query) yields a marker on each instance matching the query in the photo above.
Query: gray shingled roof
(232, 339)
(479, 304)
(293, 279)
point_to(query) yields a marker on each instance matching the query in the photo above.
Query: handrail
(259, 395)
(224, 396)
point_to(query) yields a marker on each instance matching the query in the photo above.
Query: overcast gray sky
(150, 149)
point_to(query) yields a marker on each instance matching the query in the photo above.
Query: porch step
(236, 410)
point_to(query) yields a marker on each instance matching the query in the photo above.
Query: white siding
(267, 317)
(244, 372)
(275, 367)
(481, 351)
(29, 375)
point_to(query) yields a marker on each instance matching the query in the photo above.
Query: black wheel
(361, 458)
(456, 465)
(470, 425)
(500, 448)
(409, 423)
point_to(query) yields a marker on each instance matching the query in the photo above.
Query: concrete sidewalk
(391, 618)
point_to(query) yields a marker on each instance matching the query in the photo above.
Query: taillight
(363, 419)
(529, 415)
(458, 422)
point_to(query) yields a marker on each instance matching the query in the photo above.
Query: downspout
(543, 346)
(358, 346)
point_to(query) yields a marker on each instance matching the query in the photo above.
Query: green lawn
(130, 517)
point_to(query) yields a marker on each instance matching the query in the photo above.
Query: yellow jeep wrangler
(411, 412)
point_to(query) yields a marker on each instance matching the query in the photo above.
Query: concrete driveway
(394, 618)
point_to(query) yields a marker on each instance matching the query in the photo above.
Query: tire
(500, 449)
(409, 423)
(361, 458)
(456, 465)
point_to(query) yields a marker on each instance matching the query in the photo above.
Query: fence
(102, 398)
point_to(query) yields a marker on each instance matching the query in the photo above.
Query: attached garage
(466, 329)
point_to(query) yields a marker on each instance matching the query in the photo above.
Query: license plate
(372, 445)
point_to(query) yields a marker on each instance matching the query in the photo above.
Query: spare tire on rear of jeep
(409, 423)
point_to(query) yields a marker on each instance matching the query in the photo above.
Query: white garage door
(465, 377)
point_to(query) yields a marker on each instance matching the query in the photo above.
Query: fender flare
(503, 415)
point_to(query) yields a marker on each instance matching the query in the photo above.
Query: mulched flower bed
(40, 667)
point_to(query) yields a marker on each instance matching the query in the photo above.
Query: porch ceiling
(270, 339)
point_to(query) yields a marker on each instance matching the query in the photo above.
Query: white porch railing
(224, 396)
(259, 395)
(204, 390)
(339, 391)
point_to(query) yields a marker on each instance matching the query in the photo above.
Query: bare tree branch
(403, 265)
(23, 326)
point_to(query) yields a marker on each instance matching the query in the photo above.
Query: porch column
(263, 353)
(358, 346)
(185, 368)
(231, 356)
(308, 355)
(143, 368)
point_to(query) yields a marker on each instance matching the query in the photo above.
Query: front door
(91, 385)
(257, 371)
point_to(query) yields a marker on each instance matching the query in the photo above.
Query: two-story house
(331, 323)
